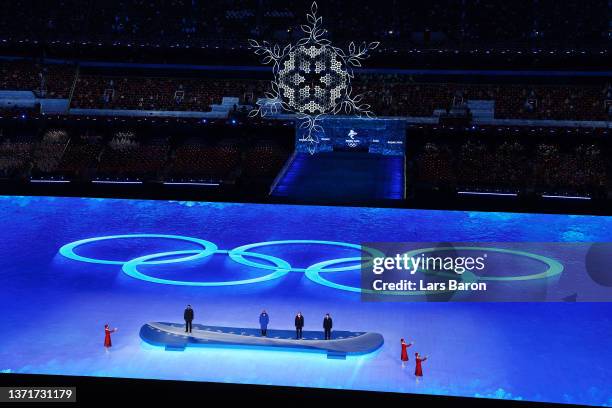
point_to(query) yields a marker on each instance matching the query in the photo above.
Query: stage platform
(172, 336)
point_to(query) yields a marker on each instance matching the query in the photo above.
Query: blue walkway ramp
(342, 177)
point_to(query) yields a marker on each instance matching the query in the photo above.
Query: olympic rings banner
(400, 271)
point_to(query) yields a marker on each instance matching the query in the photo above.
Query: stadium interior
(151, 99)
(498, 111)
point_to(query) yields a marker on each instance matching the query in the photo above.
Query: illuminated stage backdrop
(381, 136)
(54, 307)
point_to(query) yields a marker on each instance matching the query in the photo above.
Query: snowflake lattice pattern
(312, 78)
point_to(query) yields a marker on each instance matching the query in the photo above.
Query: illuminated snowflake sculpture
(312, 78)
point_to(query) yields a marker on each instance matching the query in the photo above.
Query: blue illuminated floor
(54, 308)
(342, 177)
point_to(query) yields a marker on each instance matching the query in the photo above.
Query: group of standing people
(328, 323)
(264, 321)
(418, 369)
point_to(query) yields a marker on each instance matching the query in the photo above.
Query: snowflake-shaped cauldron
(312, 78)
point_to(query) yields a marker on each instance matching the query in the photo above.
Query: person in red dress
(107, 336)
(404, 355)
(418, 370)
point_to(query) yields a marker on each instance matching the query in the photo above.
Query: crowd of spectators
(444, 23)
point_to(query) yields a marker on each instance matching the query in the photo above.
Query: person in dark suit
(299, 325)
(188, 316)
(327, 326)
(264, 319)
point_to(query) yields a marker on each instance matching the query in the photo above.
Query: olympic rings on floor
(130, 268)
(278, 267)
(68, 250)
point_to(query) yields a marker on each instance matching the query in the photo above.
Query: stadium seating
(159, 93)
(48, 152)
(511, 160)
(404, 97)
(79, 159)
(46, 80)
(202, 163)
(264, 160)
(442, 23)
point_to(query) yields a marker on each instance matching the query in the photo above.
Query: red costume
(107, 337)
(405, 351)
(418, 371)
